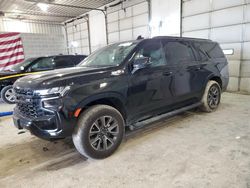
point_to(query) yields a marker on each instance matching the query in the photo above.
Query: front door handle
(168, 73)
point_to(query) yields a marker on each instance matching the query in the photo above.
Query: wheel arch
(214, 78)
(115, 100)
(5, 84)
(217, 79)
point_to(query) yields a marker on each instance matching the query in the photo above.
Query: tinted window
(212, 49)
(64, 61)
(46, 63)
(152, 50)
(78, 59)
(201, 54)
(177, 52)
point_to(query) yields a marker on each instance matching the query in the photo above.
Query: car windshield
(112, 55)
(21, 66)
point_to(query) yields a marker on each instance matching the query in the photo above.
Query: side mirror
(140, 64)
(28, 70)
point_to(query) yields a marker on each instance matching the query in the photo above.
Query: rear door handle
(194, 68)
(197, 68)
(168, 73)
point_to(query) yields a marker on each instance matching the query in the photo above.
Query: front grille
(27, 104)
(20, 91)
(30, 110)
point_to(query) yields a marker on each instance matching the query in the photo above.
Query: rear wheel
(7, 94)
(211, 97)
(99, 132)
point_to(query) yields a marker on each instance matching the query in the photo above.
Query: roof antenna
(139, 37)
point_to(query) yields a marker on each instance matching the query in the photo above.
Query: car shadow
(38, 154)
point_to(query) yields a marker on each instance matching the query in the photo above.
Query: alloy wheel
(103, 133)
(213, 96)
(10, 95)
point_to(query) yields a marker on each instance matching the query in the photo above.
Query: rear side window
(212, 49)
(177, 52)
(64, 62)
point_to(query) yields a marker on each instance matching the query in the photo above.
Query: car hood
(61, 77)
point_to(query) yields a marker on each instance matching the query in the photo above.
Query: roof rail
(179, 38)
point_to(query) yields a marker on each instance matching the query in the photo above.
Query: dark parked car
(33, 66)
(124, 85)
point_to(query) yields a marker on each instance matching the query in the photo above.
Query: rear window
(212, 49)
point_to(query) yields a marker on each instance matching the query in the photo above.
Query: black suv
(120, 87)
(33, 66)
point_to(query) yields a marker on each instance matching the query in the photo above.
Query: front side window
(177, 52)
(112, 55)
(154, 52)
(46, 63)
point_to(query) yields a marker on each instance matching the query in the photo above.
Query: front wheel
(99, 132)
(211, 97)
(7, 94)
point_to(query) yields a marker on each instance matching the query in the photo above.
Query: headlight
(53, 91)
(52, 103)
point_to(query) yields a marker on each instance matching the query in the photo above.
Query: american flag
(11, 50)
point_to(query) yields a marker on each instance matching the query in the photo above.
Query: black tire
(90, 134)
(7, 95)
(211, 97)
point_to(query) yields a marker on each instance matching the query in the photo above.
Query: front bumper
(46, 127)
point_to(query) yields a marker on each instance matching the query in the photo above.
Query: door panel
(149, 86)
(145, 92)
(150, 92)
(180, 56)
(187, 81)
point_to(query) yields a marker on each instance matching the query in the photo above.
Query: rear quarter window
(212, 49)
(199, 52)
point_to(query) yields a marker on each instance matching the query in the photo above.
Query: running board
(163, 116)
